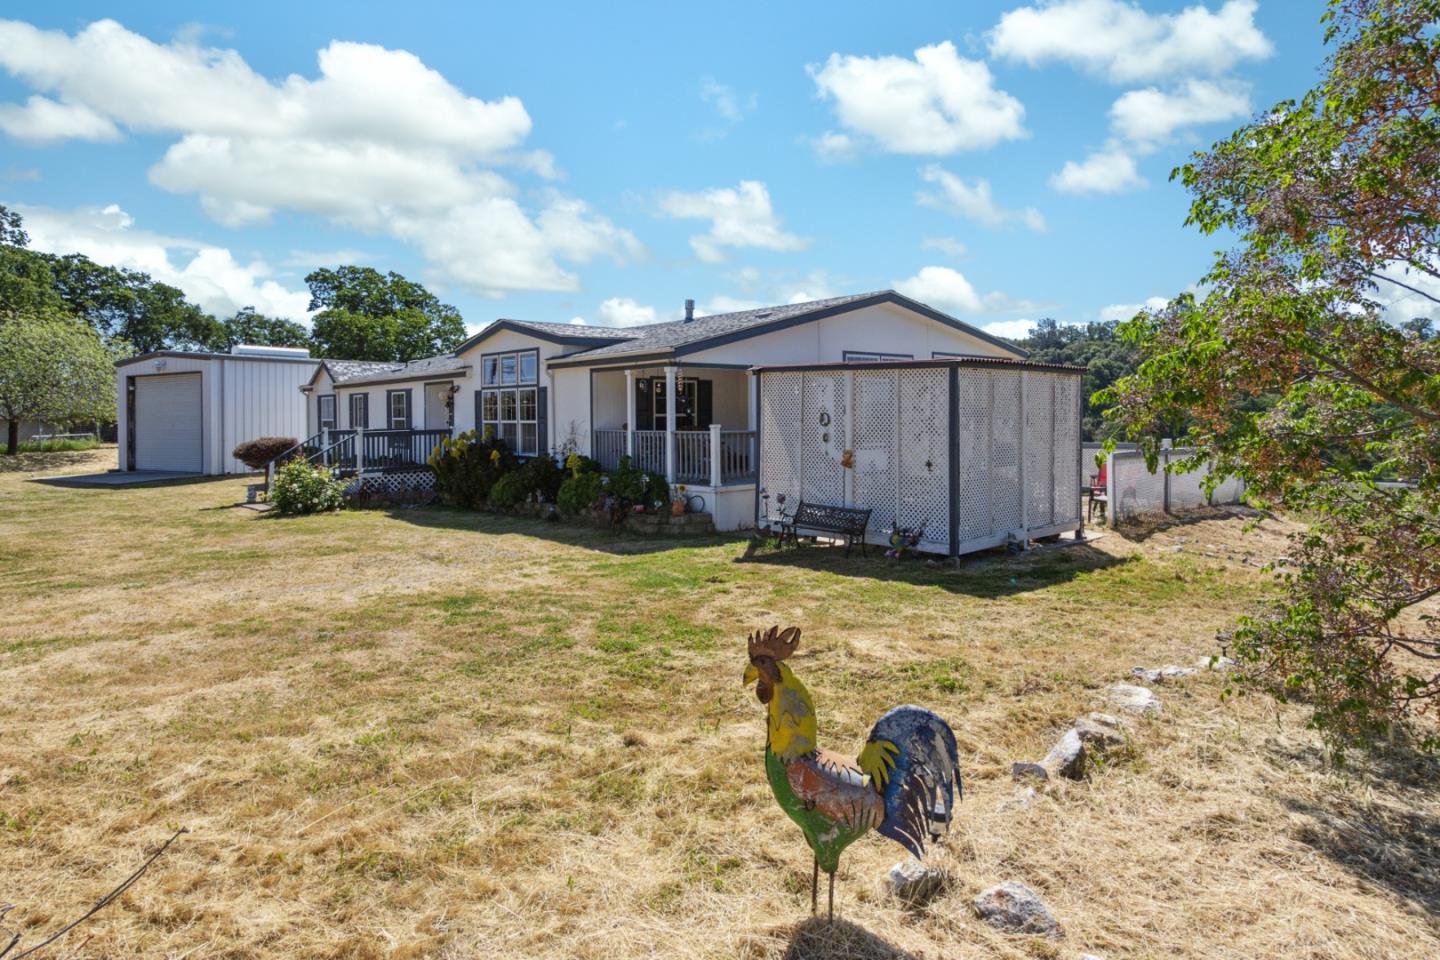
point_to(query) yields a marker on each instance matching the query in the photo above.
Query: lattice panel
(1066, 504)
(780, 437)
(874, 478)
(975, 487)
(396, 482)
(822, 438)
(924, 453)
(1005, 451)
(1039, 449)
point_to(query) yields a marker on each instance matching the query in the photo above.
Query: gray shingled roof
(370, 372)
(661, 337)
(347, 369)
(573, 329)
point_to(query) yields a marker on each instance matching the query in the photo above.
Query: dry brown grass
(438, 734)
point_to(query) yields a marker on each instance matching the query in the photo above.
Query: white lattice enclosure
(974, 453)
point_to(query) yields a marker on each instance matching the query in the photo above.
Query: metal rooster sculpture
(904, 783)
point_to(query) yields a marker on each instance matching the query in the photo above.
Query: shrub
(579, 492)
(631, 485)
(542, 476)
(466, 467)
(509, 489)
(303, 488)
(260, 451)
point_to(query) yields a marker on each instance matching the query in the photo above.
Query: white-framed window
(510, 402)
(327, 412)
(359, 411)
(942, 355)
(398, 402)
(513, 416)
(864, 356)
(518, 369)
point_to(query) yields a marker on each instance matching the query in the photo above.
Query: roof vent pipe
(689, 310)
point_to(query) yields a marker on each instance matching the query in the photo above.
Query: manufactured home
(682, 399)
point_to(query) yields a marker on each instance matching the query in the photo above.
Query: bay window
(509, 402)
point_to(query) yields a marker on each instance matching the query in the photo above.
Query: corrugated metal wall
(1016, 449)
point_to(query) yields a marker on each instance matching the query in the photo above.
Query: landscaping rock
(1066, 758)
(1025, 770)
(1132, 698)
(1216, 663)
(1161, 674)
(1099, 732)
(914, 882)
(1014, 908)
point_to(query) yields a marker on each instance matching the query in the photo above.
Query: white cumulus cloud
(937, 103)
(210, 276)
(943, 288)
(972, 201)
(1117, 312)
(376, 140)
(625, 312)
(739, 216)
(1010, 329)
(1121, 42)
(1109, 170)
(1151, 115)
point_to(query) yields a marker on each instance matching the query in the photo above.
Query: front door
(439, 406)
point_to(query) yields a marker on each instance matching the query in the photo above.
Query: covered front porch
(691, 424)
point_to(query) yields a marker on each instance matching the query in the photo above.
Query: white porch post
(670, 424)
(715, 472)
(359, 442)
(630, 414)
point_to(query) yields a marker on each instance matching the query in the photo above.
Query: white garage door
(167, 423)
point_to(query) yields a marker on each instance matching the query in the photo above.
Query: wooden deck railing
(715, 456)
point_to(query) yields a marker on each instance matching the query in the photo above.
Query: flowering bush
(467, 466)
(303, 488)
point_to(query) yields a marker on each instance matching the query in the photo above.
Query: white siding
(883, 328)
(241, 398)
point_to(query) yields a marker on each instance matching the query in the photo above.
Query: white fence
(1133, 491)
(974, 454)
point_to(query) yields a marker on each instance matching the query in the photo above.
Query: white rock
(914, 882)
(1215, 663)
(1132, 698)
(1097, 734)
(1160, 674)
(1066, 758)
(1014, 908)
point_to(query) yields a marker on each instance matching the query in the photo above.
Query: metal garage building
(977, 452)
(184, 412)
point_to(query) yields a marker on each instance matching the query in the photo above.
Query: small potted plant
(677, 503)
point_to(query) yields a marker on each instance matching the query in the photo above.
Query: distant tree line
(363, 314)
(1094, 346)
(65, 320)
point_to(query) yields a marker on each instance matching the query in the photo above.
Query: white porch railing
(692, 456)
(737, 455)
(713, 456)
(609, 448)
(650, 451)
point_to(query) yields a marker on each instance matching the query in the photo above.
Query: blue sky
(1003, 161)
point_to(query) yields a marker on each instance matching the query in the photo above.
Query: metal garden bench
(848, 522)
